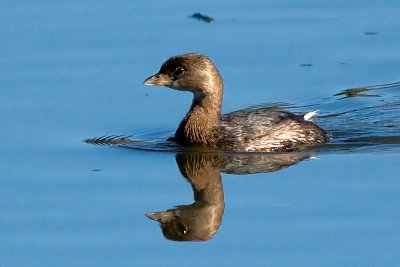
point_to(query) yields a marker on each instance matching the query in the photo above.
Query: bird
(251, 130)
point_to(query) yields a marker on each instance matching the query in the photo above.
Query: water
(72, 71)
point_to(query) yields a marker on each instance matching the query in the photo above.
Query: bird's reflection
(200, 220)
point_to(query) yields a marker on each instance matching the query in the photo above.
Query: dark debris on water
(202, 17)
(371, 33)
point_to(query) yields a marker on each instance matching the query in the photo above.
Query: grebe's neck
(203, 116)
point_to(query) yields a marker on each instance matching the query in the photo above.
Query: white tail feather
(310, 114)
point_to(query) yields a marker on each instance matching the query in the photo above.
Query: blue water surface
(73, 70)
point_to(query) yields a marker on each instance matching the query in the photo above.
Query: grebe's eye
(179, 71)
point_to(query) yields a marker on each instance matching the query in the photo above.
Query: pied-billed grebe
(244, 130)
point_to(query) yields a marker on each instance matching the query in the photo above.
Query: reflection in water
(359, 119)
(200, 221)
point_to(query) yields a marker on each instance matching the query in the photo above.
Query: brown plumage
(244, 130)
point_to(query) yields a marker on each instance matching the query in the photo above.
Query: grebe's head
(190, 72)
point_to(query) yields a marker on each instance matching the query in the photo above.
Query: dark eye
(179, 71)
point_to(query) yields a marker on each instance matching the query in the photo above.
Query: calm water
(72, 71)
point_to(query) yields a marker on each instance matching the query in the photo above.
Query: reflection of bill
(200, 220)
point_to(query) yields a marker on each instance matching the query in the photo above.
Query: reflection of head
(200, 221)
(196, 222)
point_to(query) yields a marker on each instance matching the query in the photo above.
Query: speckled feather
(267, 130)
